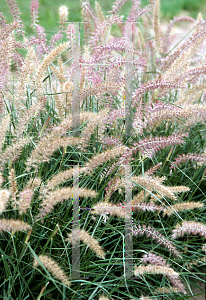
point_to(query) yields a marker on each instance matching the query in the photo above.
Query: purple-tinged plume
(155, 235)
(117, 6)
(185, 158)
(150, 146)
(16, 15)
(34, 12)
(189, 228)
(136, 13)
(54, 40)
(158, 260)
(167, 38)
(2, 20)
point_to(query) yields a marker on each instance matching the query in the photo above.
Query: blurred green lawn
(48, 10)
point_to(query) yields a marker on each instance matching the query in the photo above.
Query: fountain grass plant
(164, 148)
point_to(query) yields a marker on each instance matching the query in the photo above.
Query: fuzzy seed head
(25, 200)
(53, 267)
(63, 13)
(87, 239)
(13, 225)
(4, 196)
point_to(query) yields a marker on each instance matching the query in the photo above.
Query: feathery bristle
(13, 225)
(153, 269)
(4, 197)
(60, 195)
(108, 208)
(157, 25)
(182, 206)
(53, 267)
(88, 240)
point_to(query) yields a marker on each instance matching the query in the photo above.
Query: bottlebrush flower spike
(190, 95)
(182, 206)
(100, 88)
(58, 196)
(26, 72)
(137, 97)
(189, 227)
(179, 189)
(112, 186)
(8, 28)
(16, 15)
(196, 38)
(167, 37)
(13, 225)
(151, 184)
(58, 36)
(85, 13)
(13, 151)
(117, 6)
(150, 86)
(7, 51)
(34, 12)
(3, 129)
(53, 267)
(152, 269)
(59, 73)
(106, 156)
(48, 59)
(62, 177)
(88, 14)
(33, 183)
(118, 45)
(103, 208)
(13, 187)
(166, 112)
(87, 239)
(24, 118)
(108, 141)
(25, 200)
(150, 146)
(4, 197)
(136, 12)
(156, 25)
(140, 197)
(153, 169)
(158, 260)
(99, 12)
(46, 147)
(186, 157)
(112, 117)
(62, 128)
(192, 74)
(154, 259)
(3, 20)
(86, 133)
(34, 40)
(146, 207)
(41, 48)
(100, 29)
(155, 235)
(63, 15)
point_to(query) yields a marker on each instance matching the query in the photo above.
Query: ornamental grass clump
(106, 134)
